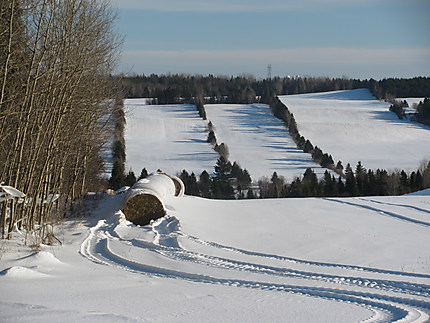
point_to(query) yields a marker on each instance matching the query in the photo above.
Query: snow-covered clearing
(166, 137)
(353, 126)
(173, 138)
(295, 260)
(282, 260)
(258, 141)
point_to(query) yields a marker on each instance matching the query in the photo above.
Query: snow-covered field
(258, 141)
(282, 260)
(285, 260)
(173, 138)
(353, 126)
(166, 137)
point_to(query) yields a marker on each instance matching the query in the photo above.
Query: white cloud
(352, 62)
(229, 5)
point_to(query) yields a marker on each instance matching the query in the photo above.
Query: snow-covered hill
(166, 137)
(173, 138)
(295, 260)
(258, 141)
(282, 260)
(353, 126)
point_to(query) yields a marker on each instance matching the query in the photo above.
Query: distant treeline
(181, 88)
(360, 182)
(230, 181)
(386, 89)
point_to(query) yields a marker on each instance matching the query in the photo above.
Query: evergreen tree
(339, 166)
(310, 183)
(221, 187)
(317, 154)
(416, 181)
(370, 185)
(351, 183)
(130, 178)
(404, 183)
(193, 188)
(119, 150)
(329, 188)
(308, 147)
(205, 183)
(382, 188)
(326, 160)
(117, 179)
(340, 186)
(211, 138)
(301, 142)
(211, 126)
(295, 189)
(190, 182)
(236, 170)
(143, 174)
(245, 179)
(360, 175)
(423, 110)
(223, 169)
(201, 109)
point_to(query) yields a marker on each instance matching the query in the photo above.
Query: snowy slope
(284, 260)
(295, 260)
(173, 138)
(258, 141)
(352, 126)
(166, 137)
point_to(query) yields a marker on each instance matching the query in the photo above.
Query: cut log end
(142, 208)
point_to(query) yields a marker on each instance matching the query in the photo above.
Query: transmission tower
(269, 71)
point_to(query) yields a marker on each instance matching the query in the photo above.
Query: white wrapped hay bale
(144, 201)
(179, 185)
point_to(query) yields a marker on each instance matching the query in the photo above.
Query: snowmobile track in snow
(380, 211)
(389, 298)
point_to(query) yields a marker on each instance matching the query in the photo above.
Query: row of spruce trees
(360, 182)
(232, 182)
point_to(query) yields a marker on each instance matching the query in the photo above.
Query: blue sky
(352, 38)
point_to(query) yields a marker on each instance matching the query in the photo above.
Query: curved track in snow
(159, 250)
(381, 211)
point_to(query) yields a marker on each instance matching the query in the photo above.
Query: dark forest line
(230, 181)
(181, 88)
(198, 89)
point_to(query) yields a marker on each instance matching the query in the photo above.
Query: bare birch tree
(53, 125)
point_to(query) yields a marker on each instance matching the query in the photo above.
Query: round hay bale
(142, 208)
(144, 200)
